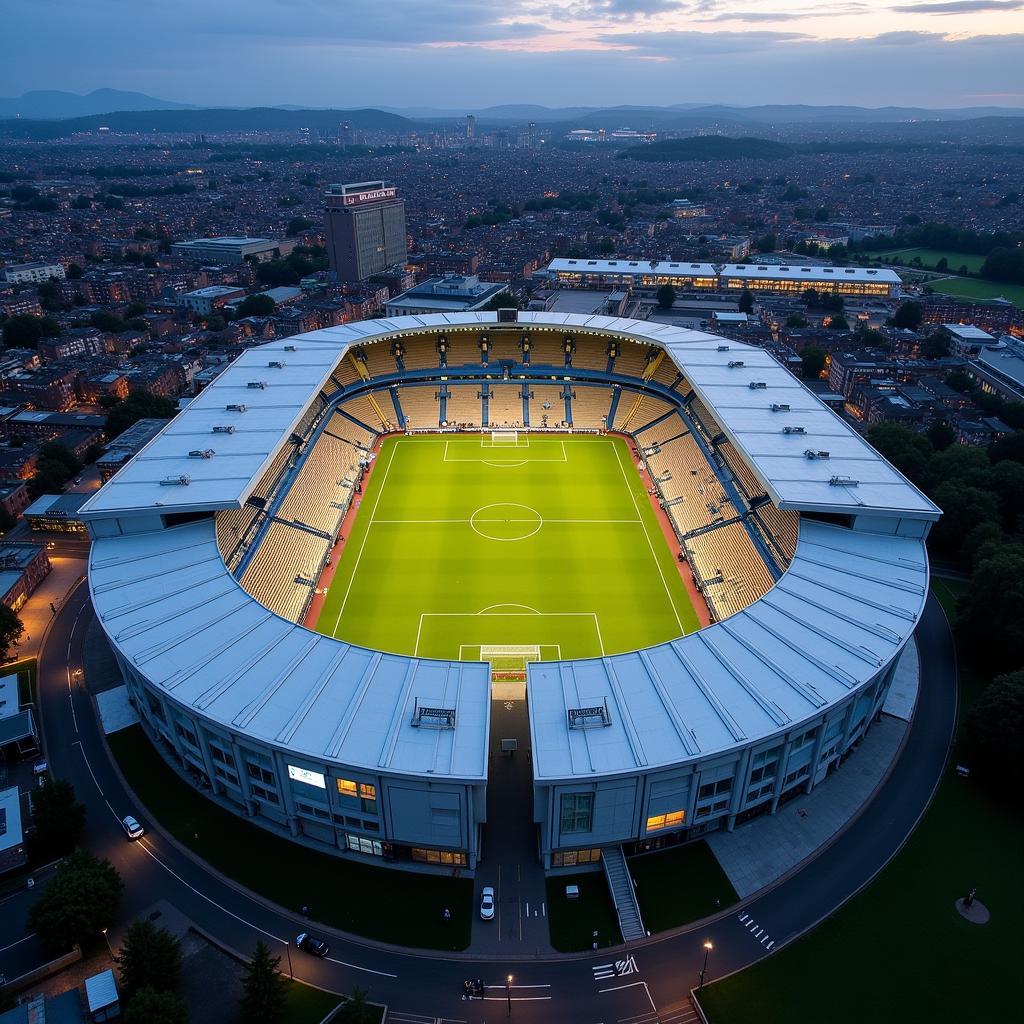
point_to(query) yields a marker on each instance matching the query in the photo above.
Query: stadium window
(671, 819)
(577, 812)
(186, 734)
(796, 776)
(368, 796)
(711, 789)
(264, 794)
(571, 858)
(259, 773)
(360, 844)
(346, 787)
(455, 858)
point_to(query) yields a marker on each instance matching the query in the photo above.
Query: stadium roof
(632, 267)
(275, 398)
(786, 273)
(844, 609)
(173, 609)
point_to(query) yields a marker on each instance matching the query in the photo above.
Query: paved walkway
(509, 860)
(35, 612)
(762, 851)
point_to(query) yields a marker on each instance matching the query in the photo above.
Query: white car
(487, 903)
(132, 828)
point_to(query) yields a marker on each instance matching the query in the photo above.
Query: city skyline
(559, 53)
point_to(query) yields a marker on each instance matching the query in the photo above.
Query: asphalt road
(653, 977)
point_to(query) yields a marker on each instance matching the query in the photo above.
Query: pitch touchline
(500, 519)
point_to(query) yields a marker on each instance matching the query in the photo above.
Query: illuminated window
(671, 819)
(347, 787)
(367, 792)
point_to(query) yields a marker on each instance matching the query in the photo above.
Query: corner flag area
(467, 547)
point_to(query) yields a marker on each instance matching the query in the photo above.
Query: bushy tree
(150, 957)
(25, 330)
(941, 435)
(263, 988)
(11, 629)
(907, 451)
(256, 305)
(666, 296)
(79, 902)
(908, 315)
(838, 322)
(357, 1010)
(993, 733)
(138, 405)
(796, 320)
(989, 621)
(746, 303)
(812, 362)
(58, 820)
(153, 1006)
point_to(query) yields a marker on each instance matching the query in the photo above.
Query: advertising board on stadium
(370, 196)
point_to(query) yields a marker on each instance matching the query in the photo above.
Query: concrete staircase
(613, 860)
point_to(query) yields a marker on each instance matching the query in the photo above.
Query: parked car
(487, 903)
(132, 828)
(312, 945)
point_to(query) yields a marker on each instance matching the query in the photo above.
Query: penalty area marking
(531, 613)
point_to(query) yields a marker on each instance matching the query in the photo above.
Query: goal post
(505, 437)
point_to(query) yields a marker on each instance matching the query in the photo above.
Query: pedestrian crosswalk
(758, 932)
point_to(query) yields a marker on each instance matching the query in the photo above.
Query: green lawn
(974, 288)
(26, 672)
(572, 923)
(307, 1005)
(679, 885)
(930, 257)
(901, 941)
(550, 544)
(344, 894)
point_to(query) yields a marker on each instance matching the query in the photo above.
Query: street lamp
(704, 970)
(508, 994)
(107, 941)
(288, 950)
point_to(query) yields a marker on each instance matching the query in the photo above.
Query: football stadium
(694, 578)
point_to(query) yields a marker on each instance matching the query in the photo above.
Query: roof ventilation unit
(276, 364)
(432, 718)
(757, 385)
(223, 428)
(843, 481)
(235, 408)
(589, 718)
(735, 363)
(812, 454)
(176, 481)
(794, 430)
(260, 385)
(723, 348)
(290, 348)
(201, 453)
(780, 407)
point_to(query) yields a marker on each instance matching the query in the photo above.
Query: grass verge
(903, 935)
(378, 903)
(679, 885)
(572, 923)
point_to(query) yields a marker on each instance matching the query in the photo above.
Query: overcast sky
(473, 53)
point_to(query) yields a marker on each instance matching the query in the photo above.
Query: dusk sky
(473, 53)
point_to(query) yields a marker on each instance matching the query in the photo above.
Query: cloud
(685, 44)
(903, 38)
(960, 7)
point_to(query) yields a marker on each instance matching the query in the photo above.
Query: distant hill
(709, 147)
(207, 120)
(52, 103)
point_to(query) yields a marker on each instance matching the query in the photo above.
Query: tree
(138, 405)
(55, 465)
(989, 621)
(909, 316)
(263, 988)
(357, 1010)
(503, 300)
(666, 296)
(106, 321)
(993, 733)
(941, 435)
(150, 957)
(152, 1006)
(297, 225)
(25, 330)
(80, 901)
(58, 820)
(963, 509)
(935, 346)
(812, 362)
(74, 271)
(256, 305)
(796, 320)
(1009, 447)
(907, 451)
(11, 628)
(766, 243)
(838, 322)
(746, 302)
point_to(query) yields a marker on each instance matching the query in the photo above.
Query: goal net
(508, 662)
(505, 437)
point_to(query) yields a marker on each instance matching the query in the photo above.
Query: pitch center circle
(506, 521)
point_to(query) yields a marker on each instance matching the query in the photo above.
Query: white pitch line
(362, 543)
(654, 554)
(559, 522)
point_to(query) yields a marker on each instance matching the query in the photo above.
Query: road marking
(759, 933)
(31, 935)
(78, 743)
(618, 969)
(632, 984)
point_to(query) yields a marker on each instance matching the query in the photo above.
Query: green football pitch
(469, 548)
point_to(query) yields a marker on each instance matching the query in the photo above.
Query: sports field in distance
(471, 549)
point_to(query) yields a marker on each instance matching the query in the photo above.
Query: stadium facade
(208, 545)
